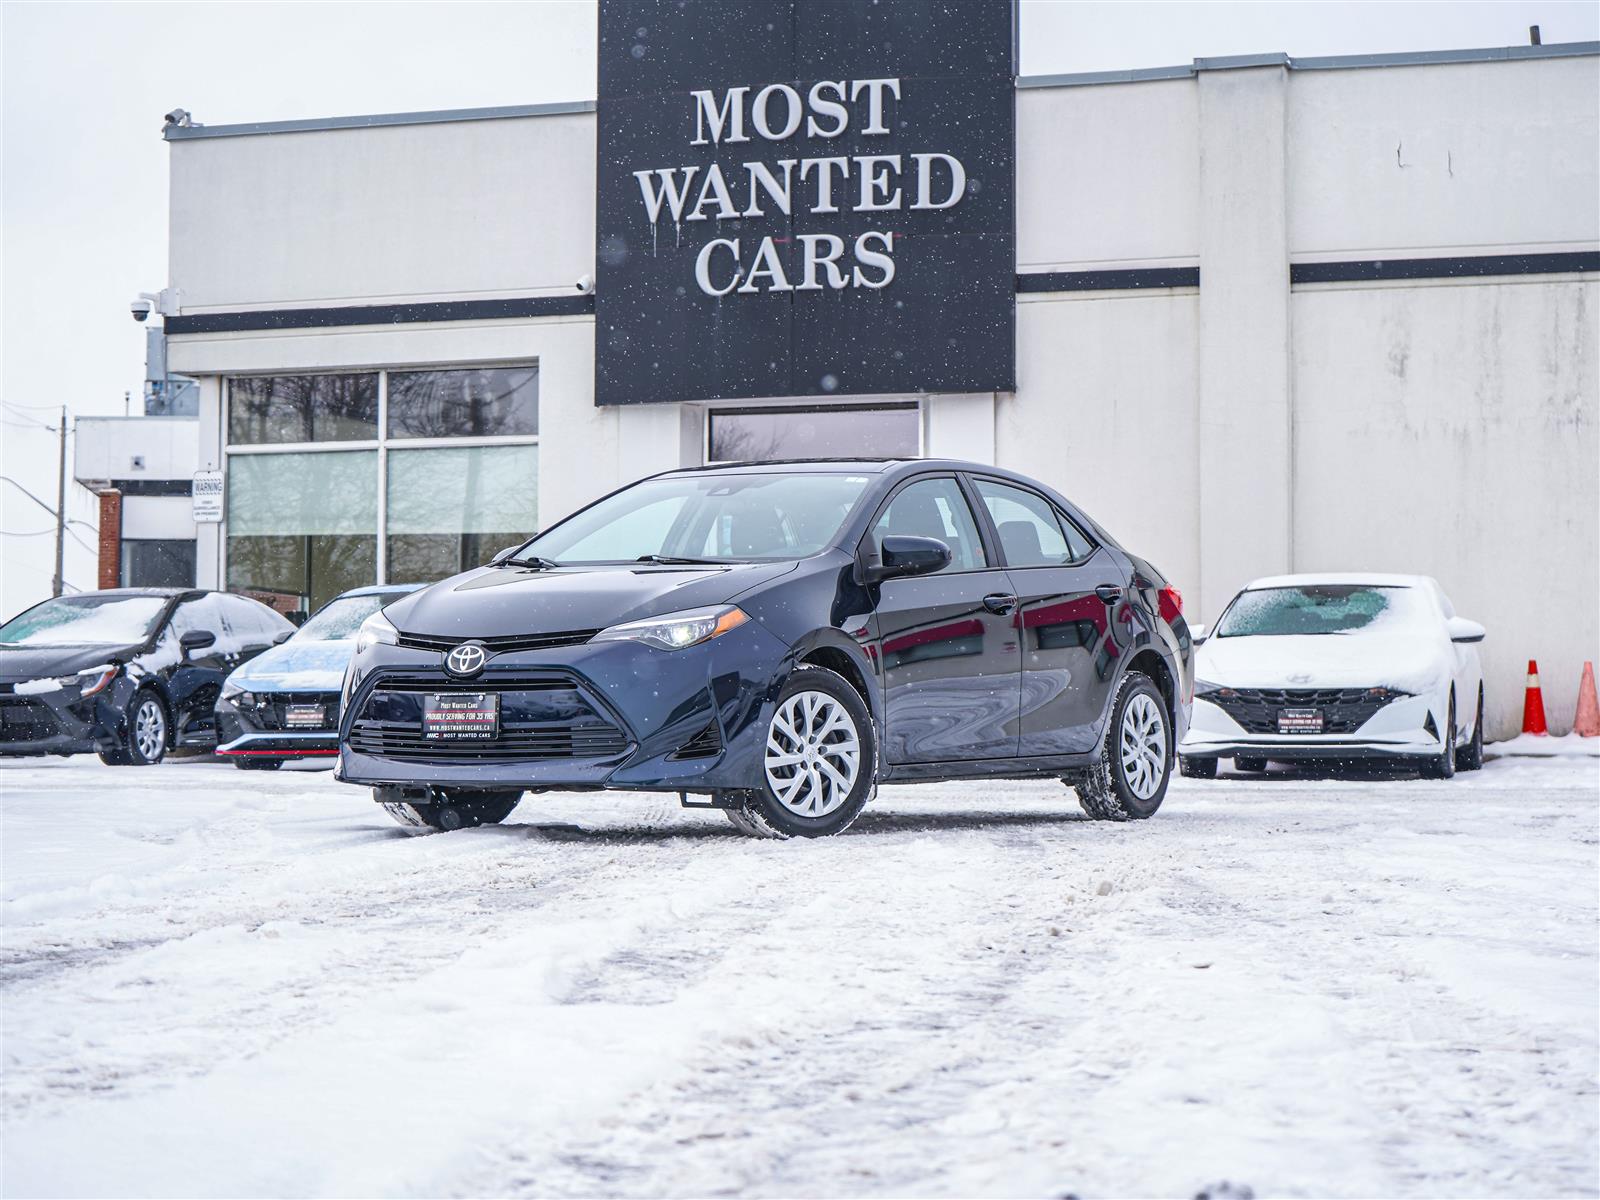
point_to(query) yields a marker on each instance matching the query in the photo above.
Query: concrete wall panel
(1452, 431)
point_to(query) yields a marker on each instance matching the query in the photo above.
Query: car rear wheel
(1444, 766)
(819, 763)
(1197, 768)
(145, 741)
(448, 811)
(1470, 756)
(1130, 780)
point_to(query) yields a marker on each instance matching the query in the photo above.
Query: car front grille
(500, 645)
(543, 717)
(24, 720)
(272, 710)
(1344, 710)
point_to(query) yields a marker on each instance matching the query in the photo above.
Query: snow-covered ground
(227, 984)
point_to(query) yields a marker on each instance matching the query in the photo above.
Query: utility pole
(61, 504)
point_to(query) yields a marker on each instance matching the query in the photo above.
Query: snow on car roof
(1338, 578)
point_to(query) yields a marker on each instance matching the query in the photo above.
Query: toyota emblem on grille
(466, 659)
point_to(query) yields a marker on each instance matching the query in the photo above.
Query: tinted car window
(1027, 526)
(935, 508)
(1078, 542)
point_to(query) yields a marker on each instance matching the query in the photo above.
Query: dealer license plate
(461, 717)
(305, 716)
(1299, 720)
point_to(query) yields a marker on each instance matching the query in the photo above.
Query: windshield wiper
(671, 560)
(531, 560)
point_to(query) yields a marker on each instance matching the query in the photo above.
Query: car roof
(163, 592)
(836, 466)
(1340, 579)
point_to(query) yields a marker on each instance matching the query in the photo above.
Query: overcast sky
(85, 169)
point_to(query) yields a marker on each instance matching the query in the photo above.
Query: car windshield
(85, 621)
(339, 618)
(1313, 609)
(713, 518)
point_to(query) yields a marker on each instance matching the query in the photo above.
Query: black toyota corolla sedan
(127, 672)
(775, 639)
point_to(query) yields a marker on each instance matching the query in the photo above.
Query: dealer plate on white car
(1299, 720)
(461, 717)
(305, 716)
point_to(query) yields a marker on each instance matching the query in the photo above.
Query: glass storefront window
(302, 408)
(302, 525)
(758, 434)
(157, 562)
(482, 402)
(450, 509)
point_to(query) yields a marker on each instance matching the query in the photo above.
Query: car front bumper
(259, 731)
(690, 720)
(61, 721)
(1400, 729)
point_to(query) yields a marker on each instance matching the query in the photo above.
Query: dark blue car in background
(777, 639)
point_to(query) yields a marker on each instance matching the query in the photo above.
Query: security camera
(585, 284)
(179, 117)
(141, 309)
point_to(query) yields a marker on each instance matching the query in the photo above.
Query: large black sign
(804, 197)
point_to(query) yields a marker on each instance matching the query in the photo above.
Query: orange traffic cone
(1533, 704)
(1587, 722)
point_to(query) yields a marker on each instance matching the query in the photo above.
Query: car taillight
(1171, 600)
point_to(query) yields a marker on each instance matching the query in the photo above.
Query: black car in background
(779, 638)
(127, 672)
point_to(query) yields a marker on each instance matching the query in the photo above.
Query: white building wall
(1106, 413)
(105, 448)
(1475, 158)
(1451, 430)
(386, 214)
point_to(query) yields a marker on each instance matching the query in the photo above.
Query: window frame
(867, 547)
(720, 410)
(381, 443)
(992, 531)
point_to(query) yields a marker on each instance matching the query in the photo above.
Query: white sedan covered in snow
(1334, 667)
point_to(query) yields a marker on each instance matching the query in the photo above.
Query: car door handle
(999, 602)
(1109, 592)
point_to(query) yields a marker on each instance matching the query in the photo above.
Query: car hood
(507, 601)
(40, 662)
(296, 667)
(1409, 661)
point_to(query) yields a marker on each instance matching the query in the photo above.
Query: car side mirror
(1197, 633)
(196, 639)
(501, 555)
(902, 555)
(283, 637)
(1462, 630)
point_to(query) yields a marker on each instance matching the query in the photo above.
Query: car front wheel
(1444, 766)
(258, 764)
(145, 741)
(1470, 756)
(1197, 768)
(1130, 779)
(818, 764)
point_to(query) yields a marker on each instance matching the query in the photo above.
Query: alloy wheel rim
(149, 728)
(1144, 746)
(813, 754)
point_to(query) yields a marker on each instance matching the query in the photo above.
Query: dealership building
(1255, 314)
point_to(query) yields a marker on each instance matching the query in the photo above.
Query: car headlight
(677, 631)
(1205, 689)
(91, 682)
(236, 695)
(376, 631)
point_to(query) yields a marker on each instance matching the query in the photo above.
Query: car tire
(452, 810)
(145, 741)
(258, 764)
(1470, 756)
(1197, 768)
(1130, 779)
(819, 761)
(1254, 766)
(1444, 765)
